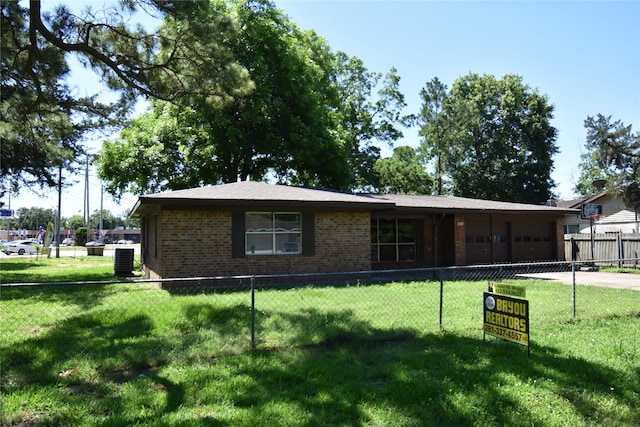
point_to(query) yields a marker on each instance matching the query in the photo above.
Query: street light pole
(57, 225)
(101, 218)
(86, 194)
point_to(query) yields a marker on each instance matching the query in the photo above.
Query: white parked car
(19, 247)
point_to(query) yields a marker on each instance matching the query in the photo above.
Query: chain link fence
(210, 315)
(99, 339)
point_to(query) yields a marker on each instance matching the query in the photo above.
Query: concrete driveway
(592, 278)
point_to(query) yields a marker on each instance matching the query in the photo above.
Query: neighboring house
(249, 228)
(617, 218)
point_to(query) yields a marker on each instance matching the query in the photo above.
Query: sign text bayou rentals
(506, 317)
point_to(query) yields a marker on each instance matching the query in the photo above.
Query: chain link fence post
(253, 313)
(441, 298)
(573, 285)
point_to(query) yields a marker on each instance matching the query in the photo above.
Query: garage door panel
(487, 243)
(533, 242)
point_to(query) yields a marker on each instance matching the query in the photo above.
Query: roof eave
(454, 210)
(144, 203)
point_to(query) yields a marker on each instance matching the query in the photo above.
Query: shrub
(81, 236)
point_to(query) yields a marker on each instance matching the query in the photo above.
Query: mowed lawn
(373, 355)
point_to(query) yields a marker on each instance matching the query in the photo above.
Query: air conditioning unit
(123, 262)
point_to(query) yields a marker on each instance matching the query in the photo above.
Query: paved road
(593, 278)
(109, 251)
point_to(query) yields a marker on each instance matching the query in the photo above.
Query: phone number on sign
(506, 334)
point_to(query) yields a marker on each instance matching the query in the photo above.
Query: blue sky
(584, 55)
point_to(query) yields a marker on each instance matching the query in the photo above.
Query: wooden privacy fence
(604, 248)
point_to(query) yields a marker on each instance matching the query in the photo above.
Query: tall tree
(153, 153)
(435, 126)
(32, 218)
(282, 127)
(109, 220)
(278, 128)
(369, 114)
(613, 154)
(309, 120)
(42, 120)
(591, 171)
(73, 222)
(502, 142)
(403, 173)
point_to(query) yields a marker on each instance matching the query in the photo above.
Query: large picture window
(270, 233)
(393, 239)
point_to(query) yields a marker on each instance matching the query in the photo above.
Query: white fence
(607, 248)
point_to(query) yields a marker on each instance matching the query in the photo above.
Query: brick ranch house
(249, 228)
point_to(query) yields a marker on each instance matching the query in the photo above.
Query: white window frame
(294, 236)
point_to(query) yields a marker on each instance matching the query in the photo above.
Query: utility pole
(8, 220)
(57, 225)
(101, 197)
(86, 194)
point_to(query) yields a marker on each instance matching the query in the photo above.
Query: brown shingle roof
(569, 203)
(578, 202)
(257, 194)
(452, 203)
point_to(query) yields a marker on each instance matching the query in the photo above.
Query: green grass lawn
(133, 354)
(41, 269)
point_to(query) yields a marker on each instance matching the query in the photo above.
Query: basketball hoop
(593, 219)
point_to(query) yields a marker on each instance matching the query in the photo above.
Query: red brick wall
(560, 238)
(198, 244)
(149, 244)
(343, 242)
(460, 240)
(191, 243)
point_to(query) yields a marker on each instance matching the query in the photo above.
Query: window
(571, 228)
(393, 240)
(269, 233)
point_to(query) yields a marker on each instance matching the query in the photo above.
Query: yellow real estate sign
(505, 289)
(48, 239)
(506, 317)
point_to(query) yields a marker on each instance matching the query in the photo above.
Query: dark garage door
(486, 242)
(533, 241)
